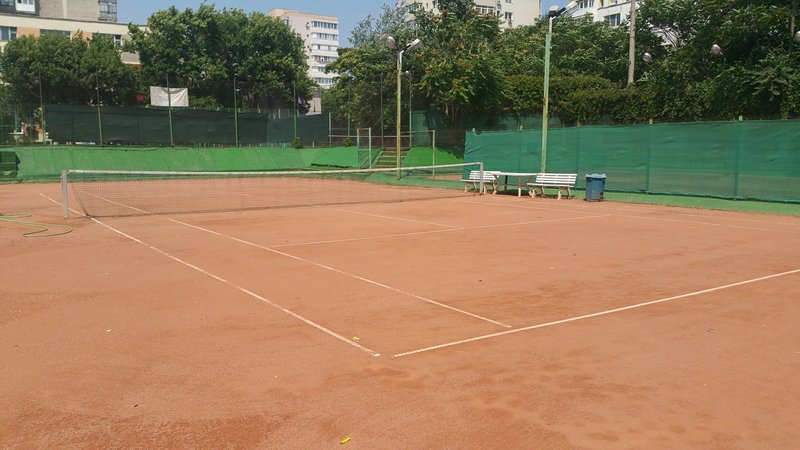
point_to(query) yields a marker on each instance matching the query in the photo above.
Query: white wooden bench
(561, 181)
(474, 179)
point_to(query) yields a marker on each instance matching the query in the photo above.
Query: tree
(373, 31)
(204, 50)
(755, 75)
(461, 69)
(65, 71)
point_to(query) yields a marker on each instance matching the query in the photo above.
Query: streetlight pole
(392, 44)
(551, 14)
(632, 44)
(235, 108)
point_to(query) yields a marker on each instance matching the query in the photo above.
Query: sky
(349, 12)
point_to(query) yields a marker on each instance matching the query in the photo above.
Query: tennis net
(106, 193)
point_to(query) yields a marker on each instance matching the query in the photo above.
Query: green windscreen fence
(742, 160)
(151, 126)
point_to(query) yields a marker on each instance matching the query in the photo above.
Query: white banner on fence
(159, 96)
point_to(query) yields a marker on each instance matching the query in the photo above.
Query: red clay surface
(259, 329)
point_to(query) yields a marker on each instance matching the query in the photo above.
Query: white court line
(394, 218)
(244, 290)
(597, 314)
(366, 280)
(297, 258)
(450, 230)
(740, 227)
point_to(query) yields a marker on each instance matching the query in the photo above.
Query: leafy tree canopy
(205, 49)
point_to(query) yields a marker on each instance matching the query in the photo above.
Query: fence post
(433, 152)
(369, 163)
(649, 162)
(358, 138)
(737, 163)
(330, 130)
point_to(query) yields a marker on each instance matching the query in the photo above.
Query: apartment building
(86, 10)
(38, 17)
(612, 11)
(512, 13)
(321, 41)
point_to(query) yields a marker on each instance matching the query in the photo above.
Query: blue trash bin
(595, 186)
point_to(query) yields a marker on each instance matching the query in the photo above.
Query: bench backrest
(557, 178)
(475, 175)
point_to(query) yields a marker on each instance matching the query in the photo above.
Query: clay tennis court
(471, 322)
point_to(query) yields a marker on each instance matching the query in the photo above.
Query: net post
(64, 196)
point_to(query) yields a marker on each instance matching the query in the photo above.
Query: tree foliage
(204, 50)
(65, 70)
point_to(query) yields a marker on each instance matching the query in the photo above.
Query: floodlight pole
(546, 97)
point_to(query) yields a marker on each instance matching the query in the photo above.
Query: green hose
(43, 229)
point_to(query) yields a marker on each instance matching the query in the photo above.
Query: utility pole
(632, 45)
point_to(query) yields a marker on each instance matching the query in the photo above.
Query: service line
(597, 314)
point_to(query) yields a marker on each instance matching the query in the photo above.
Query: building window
(64, 33)
(509, 16)
(26, 5)
(484, 9)
(324, 47)
(108, 10)
(6, 2)
(321, 24)
(325, 59)
(585, 4)
(613, 20)
(326, 36)
(8, 33)
(116, 38)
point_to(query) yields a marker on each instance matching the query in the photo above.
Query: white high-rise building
(512, 13)
(612, 11)
(321, 41)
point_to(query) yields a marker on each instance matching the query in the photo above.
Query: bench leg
(559, 193)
